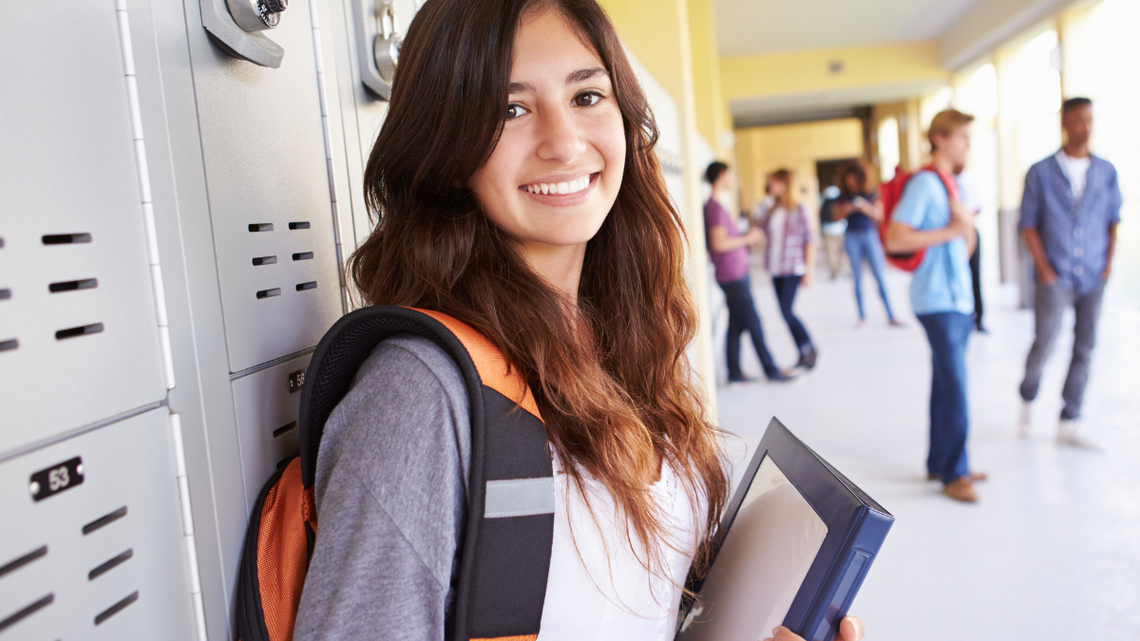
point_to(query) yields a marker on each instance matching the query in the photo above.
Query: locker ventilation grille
(301, 225)
(85, 330)
(72, 285)
(40, 553)
(256, 227)
(285, 429)
(117, 608)
(301, 287)
(269, 293)
(105, 520)
(66, 239)
(303, 256)
(9, 344)
(5, 294)
(26, 612)
(264, 260)
(103, 568)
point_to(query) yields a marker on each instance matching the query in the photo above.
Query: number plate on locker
(57, 478)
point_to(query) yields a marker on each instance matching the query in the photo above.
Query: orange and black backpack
(505, 558)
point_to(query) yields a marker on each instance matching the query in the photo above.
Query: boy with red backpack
(930, 219)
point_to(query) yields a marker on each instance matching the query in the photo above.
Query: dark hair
(1074, 103)
(610, 377)
(853, 169)
(715, 169)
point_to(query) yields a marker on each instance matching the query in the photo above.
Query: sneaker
(961, 489)
(808, 360)
(783, 377)
(743, 381)
(974, 476)
(1069, 433)
(1024, 421)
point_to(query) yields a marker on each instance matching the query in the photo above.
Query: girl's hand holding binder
(850, 629)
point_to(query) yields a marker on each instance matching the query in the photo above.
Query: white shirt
(597, 589)
(1076, 170)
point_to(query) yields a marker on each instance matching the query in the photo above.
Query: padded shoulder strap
(505, 558)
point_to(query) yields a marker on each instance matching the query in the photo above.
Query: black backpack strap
(505, 558)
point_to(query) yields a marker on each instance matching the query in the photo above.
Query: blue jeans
(742, 315)
(865, 244)
(949, 415)
(786, 287)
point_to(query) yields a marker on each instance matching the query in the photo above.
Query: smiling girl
(516, 189)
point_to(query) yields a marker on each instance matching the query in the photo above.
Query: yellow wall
(807, 71)
(652, 30)
(712, 114)
(797, 147)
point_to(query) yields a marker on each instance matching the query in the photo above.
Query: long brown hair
(787, 200)
(611, 378)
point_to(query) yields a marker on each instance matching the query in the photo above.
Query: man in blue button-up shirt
(1069, 212)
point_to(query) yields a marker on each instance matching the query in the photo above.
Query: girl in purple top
(791, 252)
(728, 248)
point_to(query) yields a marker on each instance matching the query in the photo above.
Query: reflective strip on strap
(519, 497)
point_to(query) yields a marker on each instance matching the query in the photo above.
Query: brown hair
(854, 169)
(611, 377)
(788, 199)
(946, 123)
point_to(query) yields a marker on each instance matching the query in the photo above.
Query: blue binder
(786, 477)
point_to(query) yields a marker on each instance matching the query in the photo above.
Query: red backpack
(891, 193)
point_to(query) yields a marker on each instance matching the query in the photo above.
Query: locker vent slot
(1, 243)
(72, 285)
(72, 332)
(12, 566)
(255, 227)
(301, 225)
(9, 344)
(264, 260)
(5, 294)
(301, 287)
(103, 568)
(269, 293)
(117, 608)
(66, 239)
(106, 519)
(303, 256)
(26, 612)
(285, 429)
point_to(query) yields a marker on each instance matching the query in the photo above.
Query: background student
(930, 217)
(1069, 213)
(790, 255)
(728, 248)
(863, 212)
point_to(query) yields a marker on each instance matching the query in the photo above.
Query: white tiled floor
(1052, 550)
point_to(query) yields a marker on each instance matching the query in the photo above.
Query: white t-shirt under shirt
(597, 587)
(1076, 170)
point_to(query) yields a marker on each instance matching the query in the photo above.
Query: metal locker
(92, 545)
(263, 152)
(79, 338)
(266, 405)
(357, 97)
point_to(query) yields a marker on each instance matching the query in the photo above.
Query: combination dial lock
(257, 15)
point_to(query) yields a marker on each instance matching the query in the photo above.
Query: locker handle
(378, 43)
(237, 25)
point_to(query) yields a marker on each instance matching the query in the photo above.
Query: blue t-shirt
(942, 282)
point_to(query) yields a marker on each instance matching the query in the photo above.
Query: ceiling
(746, 27)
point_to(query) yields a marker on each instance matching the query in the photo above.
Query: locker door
(92, 545)
(357, 111)
(79, 341)
(264, 157)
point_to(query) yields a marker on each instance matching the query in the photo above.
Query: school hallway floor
(1052, 549)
